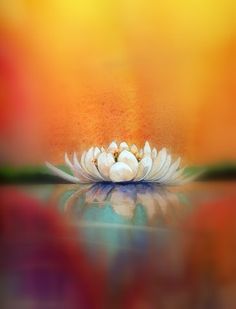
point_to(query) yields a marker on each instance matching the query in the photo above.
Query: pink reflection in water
(41, 262)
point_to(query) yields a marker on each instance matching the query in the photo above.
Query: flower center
(95, 161)
(116, 154)
(138, 156)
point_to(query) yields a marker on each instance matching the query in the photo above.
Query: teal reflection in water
(116, 216)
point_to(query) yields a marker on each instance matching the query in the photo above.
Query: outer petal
(186, 179)
(90, 165)
(82, 162)
(80, 170)
(68, 162)
(75, 170)
(144, 168)
(178, 176)
(56, 171)
(120, 172)
(147, 149)
(171, 171)
(157, 164)
(129, 158)
(154, 153)
(84, 167)
(96, 152)
(105, 161)
(164, 169)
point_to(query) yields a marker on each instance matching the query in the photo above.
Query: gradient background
(77, 73)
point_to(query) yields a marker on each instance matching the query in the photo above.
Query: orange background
(76, 73)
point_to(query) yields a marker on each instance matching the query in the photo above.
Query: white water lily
(123, 163)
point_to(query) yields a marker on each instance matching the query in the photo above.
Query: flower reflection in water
(135, 203)
(142, 203)
(112, 217)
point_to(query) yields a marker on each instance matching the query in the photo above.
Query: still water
(118, 246)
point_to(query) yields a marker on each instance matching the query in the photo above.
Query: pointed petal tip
(56, 171)
(68, 161)
(112, 146)
(134, 148)
(47, 163)
(124, 146)
(66, 157)
(75, 159)
(147, 148)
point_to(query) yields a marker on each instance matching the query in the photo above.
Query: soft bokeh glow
(76, 73)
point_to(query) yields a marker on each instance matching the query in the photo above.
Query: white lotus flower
(123, 163)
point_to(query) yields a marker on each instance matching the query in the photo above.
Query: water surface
(118, 246)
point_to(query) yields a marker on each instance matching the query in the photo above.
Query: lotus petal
(105, 161)
(96, 152)
(171, 171)
(129, 158)
(181, 180)
(123, 146)
(84, 167)
(134, 148)
(144, 168)
(73, 169)
(177, 175)
(154, 153)
(121, 172)
(147, 149)
(112, 147)
(68, 162)
(80, 170)
(56, 171)
(163, 170)
(82, 162)
(90, 165)
(158, 163)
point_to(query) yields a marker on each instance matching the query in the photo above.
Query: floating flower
(123, 163)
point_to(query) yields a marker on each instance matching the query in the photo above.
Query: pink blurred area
(41, 263)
